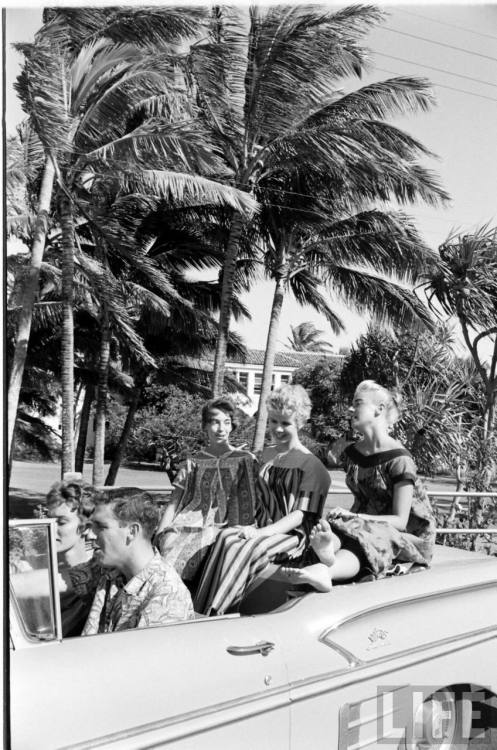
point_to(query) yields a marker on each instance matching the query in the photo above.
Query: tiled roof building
(249, 371)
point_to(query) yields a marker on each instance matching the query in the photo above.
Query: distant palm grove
(173, 157)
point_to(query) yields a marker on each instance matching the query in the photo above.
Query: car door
(207, 683)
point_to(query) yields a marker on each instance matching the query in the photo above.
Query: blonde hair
(391, 399)
(293, 399)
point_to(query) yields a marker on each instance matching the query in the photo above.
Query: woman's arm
(165, 536)
(169, 512)
(401, 506)
(284, 525)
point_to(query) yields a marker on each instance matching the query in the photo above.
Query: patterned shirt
(155, 596)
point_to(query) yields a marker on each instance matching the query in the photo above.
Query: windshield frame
(20, 636)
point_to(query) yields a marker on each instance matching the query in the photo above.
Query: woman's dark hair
(223, 403)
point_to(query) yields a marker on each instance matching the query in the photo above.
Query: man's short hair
(79, 496)
(223, 403)
(132, 504)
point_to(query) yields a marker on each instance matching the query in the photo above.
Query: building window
(272, 381)
(258, 382)
(285, 379)
(243, 379)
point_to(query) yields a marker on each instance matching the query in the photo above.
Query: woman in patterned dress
(391, 520)
(212, 490)
(293, 486)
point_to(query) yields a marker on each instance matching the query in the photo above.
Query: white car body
(348, 670)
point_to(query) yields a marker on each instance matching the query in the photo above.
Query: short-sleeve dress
(295, 480)
(214, 492)
(378, 544)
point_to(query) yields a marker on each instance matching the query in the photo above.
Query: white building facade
(249, 372)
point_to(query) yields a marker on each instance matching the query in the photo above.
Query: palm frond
(305, 288)
(387, 299)
(182, 188)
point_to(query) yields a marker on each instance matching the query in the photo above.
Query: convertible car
(406, 662)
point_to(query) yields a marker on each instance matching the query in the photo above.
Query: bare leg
(317, 576)
(324, 542)
(345, 567)
(320, 576)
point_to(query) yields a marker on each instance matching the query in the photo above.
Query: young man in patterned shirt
(138, 589)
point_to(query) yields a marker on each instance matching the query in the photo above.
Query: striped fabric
(233, 564)
(296, 481)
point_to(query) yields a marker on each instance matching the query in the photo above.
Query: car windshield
(29, 568)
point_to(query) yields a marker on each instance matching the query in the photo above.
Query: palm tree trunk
(67, 365)
(225, 308)
(84, 420)
(123, 440)
(101, 406)
(267, 373)
(28, 300)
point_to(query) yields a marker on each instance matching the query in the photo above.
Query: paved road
(39, 477)
(30, 481)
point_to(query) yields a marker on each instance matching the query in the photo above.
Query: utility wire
(446, 23)
(440, 44)
(443, 86)
(438, 70)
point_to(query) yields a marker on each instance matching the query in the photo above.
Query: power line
(443, 86)
(446, 23)
(440, 44)
(439, 70)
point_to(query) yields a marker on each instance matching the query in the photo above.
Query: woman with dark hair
(213, 489)
(292, 486)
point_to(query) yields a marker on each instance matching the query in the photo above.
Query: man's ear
(134, 529)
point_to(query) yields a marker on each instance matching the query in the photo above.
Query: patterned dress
(378, 544)
(295, 480)
(214, 492)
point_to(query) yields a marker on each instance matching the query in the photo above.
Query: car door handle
(263, 647)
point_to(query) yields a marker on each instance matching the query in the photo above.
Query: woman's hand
(248, 532)
(336, 449)
(340, 513)
(166, 540)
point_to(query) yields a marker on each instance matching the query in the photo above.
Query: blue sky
(454, 46)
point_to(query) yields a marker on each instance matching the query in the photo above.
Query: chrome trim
(355, 676)
(407, 600)
(54, 585)
(263, 648)
(430, 493)
(353, 660)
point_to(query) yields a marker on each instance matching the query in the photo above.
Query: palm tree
(102, 109)
(25, 318)
(465, 285)
(267, 87)
(307, 338)
(341, 254)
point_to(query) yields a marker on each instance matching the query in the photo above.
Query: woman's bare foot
(317, 576)
(321, 541)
